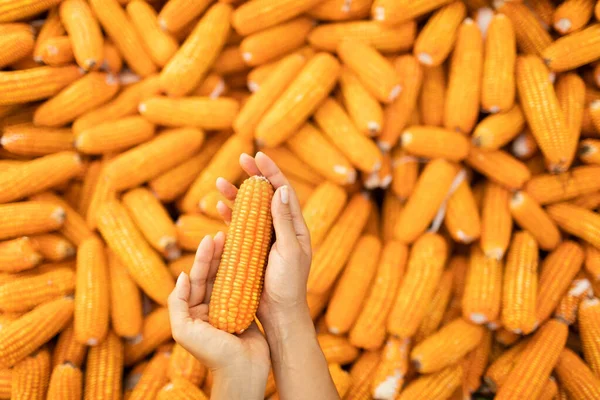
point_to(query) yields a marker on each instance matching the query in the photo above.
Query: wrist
(290, 326)
(245, 380)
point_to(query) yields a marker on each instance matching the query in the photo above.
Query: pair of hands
(284, 294)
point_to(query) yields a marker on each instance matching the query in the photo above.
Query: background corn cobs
(446, 155)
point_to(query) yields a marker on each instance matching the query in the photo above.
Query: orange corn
(425, 266)
(436, 39)
(404, 173)
(340, 10)
(433, 95)
(126, 316)
(191, 229)
(92, 90)
(10, 11)
(153, 378)
(332, 164)
(177, 14)
(17, 42)
(483, 288)
(322, 210)
(27, 292)
(113, 62)
(251, 219)
(292, 166)
(67, 349)
(362, 373)
(589, 151)
(146, 161)
(25, 335)
(65, 383)
(188, 66)
(337, 349)
(552, 188)
(573, 50)
(464, 81)
(389, 374)
(436, 308)
(397, 114)
(53, 247)
(558, 271)
(576, 377)
(340, 130)
(570, 91)
(530, 216)
(18, 254)
(430, 191)
(439, 385)
(534, 365)
(153, 220)
(31, 377)
(368, 331)
(18, 219)
(287, 114)
(592, 262)
(497, 130)
(589, 319)
(363, 108)
(434, 142)
(104, 369)
(520, 284)
(156, 330)
(183, 365)
(29, 140)
(114, 136)
(180, 389)
(84, 33)
(531, 36)
(500, 167)
(212, 86)
(372, 69)
(498, 85)
(568, 306)
(589, 201)
(123, 34)
(498, 370)
(390, 211)
(333, 253)
(182, 264)
(577, 221)
(354, 283)
(475, 362)
(216, 113)
(144, 265)
(250, 18)
(392, 11)
(52, 27)
(340, 378)
(462, 217)
(35, 84)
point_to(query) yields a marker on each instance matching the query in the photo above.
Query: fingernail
(285, 198)
(181, 278)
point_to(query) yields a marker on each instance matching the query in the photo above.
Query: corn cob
(146, 161)
(425, 267)
(25, 335)
(390, 211)
(550, 188)
(180, 389)
(389, 375)
(259, 103)
(156, 330)
(104, 369)
(592, 262)
(212, 86)
(404, 173)
(25, 293)
(573, 50)
(475, 362)
(589, 151)
(568, 306)
(341, 379)
(153, 378)
(65, 383)
(31, 377)
(191, 229)
(430, 192)
(436, 308)
(52, 27)
(462, 217)
(589, 201)
(16, 41)
(84, 33)
(332, 164)
(250, 18)
(230, 62)
(126, 317)
(500, 167)
(497, 372)
(575, 377)
(392, 11)
(5, 383)
(397, 114)
(433, 142)
(363, 108)
(340, 130)
(558, 271)
(498, 86)
(436, 39)
(292, 166)
(336, 10)
(68, 350)
(433, 95)
(174, 182)
(525, 147)
(333, 253)
(312, 85)
(18, 254)
(123, 105)
(372, 69)
(483, 288)
(382, 37)
(257, 76)
(570, 91)
(123, 34)
(497, 130)
(11, 11)
(577, 221)
(362, 373)
(182, 264)
(133, 377)
(439, 385)
(113, 62)
(322, 209)
(28, 140)
(337, 349)
(530, 216)
(531, 36)
(114, 136)
(177, 14)
(183, 365)
(462, 99)
(368, 331)
(30, 217)
(588, 318)
(159, 45)
(188, 66)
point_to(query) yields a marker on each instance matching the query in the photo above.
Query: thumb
(282, 218)
(179, 310)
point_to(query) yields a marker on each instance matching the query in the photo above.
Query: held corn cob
(84, 33)
(483, 288)
(31, 377)
(577, 221)
(18, 255)
(65, 383)
(238, 285)
(531, 217)
(104, 369)
(575, 377)
(389, 375)
(67, 349)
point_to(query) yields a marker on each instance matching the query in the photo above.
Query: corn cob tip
(395, 92)
(478, 318)
(497, 4)
(59, 214)
(463, 237)
(373, 127)
(586, 150)
(142, 107)
(493, 109)
(563, 25)
(247, 56)
(590, 302)
(468, 21)
(496, 253)
(595, 105)
(350, 174)
(425, 58)
(379, 13)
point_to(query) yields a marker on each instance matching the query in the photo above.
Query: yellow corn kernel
(531, 36)
(430, 192)
(576, 377)
(183, 365)
(259, 15)
(18, 219)
(483, 288)
(368, 331)
(498, 86)
(287, 114)
(29, 140)
(589, 151)
(156, 330)
(84, 33)
(177, 14)
(337, 10)
(531, 217)
(25, 335)
(405, 169)
(180, 389)
(433, 142)
(500, 167)
(393, 11)
(436, 39)
(191, 229)
(464, 81)
(497, 130)
(65, 383)
(475, 362)
(592, 262)
(425, 266)
(439, 385)
(433, 95)
(382, 37)
(31, 377)
(552, 188)
(104, 369)
(18, 254)
(462, 217)
(362, 373)
(354, 283)
(17, 42)
(67, 349)
(436, 308)
(389, 375)
(125, 298)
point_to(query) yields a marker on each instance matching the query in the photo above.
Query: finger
(282, 219)
(179, 310)
(226, 188)
(200, 269)
(219, 241)
(270, 170)
(224, 211)
(251, 332)
(248, 164)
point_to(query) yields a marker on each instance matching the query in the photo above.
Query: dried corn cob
(589, 201)
(180, 389)
(67, 349)
(474, 364)
(25, 335)
(153, 378)
(573, 50)
(156, 330)
(18, 254)
(575, 377)
(439, 385)
(577, 221)
(322, 209)
(531, 217)
(462, 217)
(592, 262)
(558, 271)
(500, 167)
(589, 151)
(497, 130)
(114, 136)
(392, 11)
(191, 229)
(433, 95)
(113, 62)
(570, 91)
(483, 288)
(31, 377)
(368, 331)
(183, 365)
(588, 318)
(404, 173)
(84, 33)
(18, 219)
(462, 99)
(363, 108)
(212, 86)
(433, 142)
(177, 14)
(531, 36)
(52, 27)
(330, 258)
(65, 383)
(336, 10)
(104, 369)
(389, 375)
(28, 140)
(11, 11)
(250, 18)
(568, 305)
(390, 211)
(126, 316)
(16, 41)
(362, 373)
(436, 308)
(498, 86)
(292, 166)
(341, 379)
(496, 373)
(551, 188)
(337, 349)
